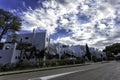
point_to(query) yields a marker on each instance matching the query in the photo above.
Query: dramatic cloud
(95, 22)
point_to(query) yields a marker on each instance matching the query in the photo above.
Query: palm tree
(8, 22)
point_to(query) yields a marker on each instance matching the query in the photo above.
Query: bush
(117, 58)
(48, 63)
(94, 58)
(110, 58)
(62, 62)
(79, 61)
(99, 59)
(54, 63)
(70, 62)
(7, 67)
(40, 64)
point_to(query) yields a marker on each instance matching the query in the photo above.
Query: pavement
(42, 73)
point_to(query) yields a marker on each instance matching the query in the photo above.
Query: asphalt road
(107, 72)
(97, 71)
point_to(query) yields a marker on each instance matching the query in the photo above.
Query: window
(23, 57)
(0, 57)
(26, 37)
(1, 45)
(16, 57)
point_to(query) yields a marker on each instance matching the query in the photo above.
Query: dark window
(26, 37)
(16, 57)
(0, 57)
(23, 57)
(1, 45)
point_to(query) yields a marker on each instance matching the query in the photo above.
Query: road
(97, 71)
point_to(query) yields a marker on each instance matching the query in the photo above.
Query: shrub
(99, 59)
(94, 58)
(7, 67)
(53, 63)
(62, 62)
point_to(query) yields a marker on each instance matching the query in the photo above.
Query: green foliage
(39, 64)
(117, 58)
(49, 63)
(8, 22)
(30, 52)
(114, 48)
(94, 58)
(51, 56)
(79, 61)
(66, 55)
(7, 67)
(62, 62)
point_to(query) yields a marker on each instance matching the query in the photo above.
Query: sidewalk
(42, 69)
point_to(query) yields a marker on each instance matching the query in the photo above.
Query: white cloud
(98, 12)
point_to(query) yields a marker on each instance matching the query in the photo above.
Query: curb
(41, 69)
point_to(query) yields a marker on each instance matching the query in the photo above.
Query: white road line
(57, 75)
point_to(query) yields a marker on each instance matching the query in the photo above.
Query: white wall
(11, 55)
(5, 56)
(38, 39)
(78, 50)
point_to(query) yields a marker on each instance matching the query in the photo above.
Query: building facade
(9, 52)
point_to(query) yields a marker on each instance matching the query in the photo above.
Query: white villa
(76, 50)
(80, 50)
(9, 52)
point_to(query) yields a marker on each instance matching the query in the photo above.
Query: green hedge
(39, 64)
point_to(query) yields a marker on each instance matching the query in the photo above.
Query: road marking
(57, 75)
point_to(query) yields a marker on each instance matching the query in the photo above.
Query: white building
(76, 50)
(60, 49)
(80, 50)
(9, 52)
(36, 39)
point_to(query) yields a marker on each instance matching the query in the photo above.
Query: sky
(73, 22)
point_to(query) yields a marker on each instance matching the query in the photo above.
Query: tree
(114, 48)
(66, 55)
(88, 54)
(40, 54)
(8, 22)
